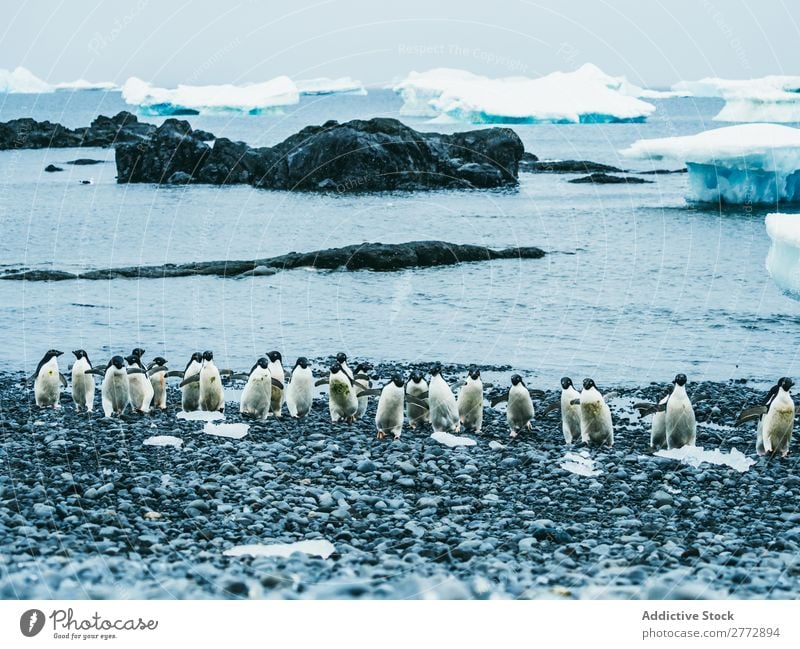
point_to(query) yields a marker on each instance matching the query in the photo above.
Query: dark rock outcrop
(83, 162)
(535, 165)
(358, 156)
(367, 256)
(607, 179)
(661, 172)
(27, 133)
(52, 168)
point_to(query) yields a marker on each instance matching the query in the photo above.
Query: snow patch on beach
(448, 439)
(163, 440)
(200, 415)
(316, 548)
(234, 431)
(580, 464)
(696, 455)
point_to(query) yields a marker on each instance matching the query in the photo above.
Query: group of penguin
(585, 415)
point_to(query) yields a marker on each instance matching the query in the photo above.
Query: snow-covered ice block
(743, 164)
(580, 464)
(697, 455)
(587, 95)
(22, 80)
(315, 548)
(325, 86)
(234, 431)
(163, 440)
(200, 415)
(250, 98)
(448, 439)
(783, 258)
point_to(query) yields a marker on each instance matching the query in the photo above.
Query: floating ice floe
(697, 455)
(448, 439)
(251, 98)
(325, 86)
(163, 440)
(234, 431)
(200, 415)
(580, 464)
(783, 258)
(775, 98)
(586, 95)
(743, 164)
(318, 548)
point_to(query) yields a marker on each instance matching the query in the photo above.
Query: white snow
(585, 95)
(747, 163)
(325, 86)
(783, 258)
(696, 455)
(319, 548)
(251, 98)
(163, 440)
(234, 431)
(448, 439)
(580, 464)
(200, 415)
(22, 80)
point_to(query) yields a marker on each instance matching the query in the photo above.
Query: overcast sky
(652, 42)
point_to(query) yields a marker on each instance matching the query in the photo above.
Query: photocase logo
(31, 622)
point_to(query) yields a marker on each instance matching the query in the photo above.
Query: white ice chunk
(325, 86)
(448, 439)
(696, 455)
(234, 431)
(200, 415)
(496, 446)
(250, 98)
(315, 548)
(83, 84)
(580, 464)
(163, 440)
(585, 95)
(743, 164)
(22, 80)
(783, 258)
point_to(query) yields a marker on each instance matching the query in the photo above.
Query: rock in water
(608, 179)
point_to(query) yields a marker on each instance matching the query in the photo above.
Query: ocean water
(637, 286)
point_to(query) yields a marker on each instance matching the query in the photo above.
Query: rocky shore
(87, 509)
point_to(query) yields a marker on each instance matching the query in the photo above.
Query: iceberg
(325, 86)
(743, 164)
(252, 99)
(83, 84)
(587, 95)
(783, 258)
(22, 80)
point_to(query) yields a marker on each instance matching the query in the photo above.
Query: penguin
(300, 391)
(442, 404)
(190, 391)
(137, 351)
(658, 427)
(417, 386)
(82, 383)
(139, 386)
(362, 382)
(775, 419)
(391, 406)
(257, 394)
(277, 375)
(596, 424)
(679, 420)
(470, 401)
(48, 381)
(115, 390)
(157, 371)
(342, 399)
(570, 414)
(212, 394)
(519, 412)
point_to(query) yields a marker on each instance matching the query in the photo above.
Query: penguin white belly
(342, 401)
(443, 408)
(416, 414)
(681, 428)
(362, 401)
(141, 392)
(520, 409)
(760, 437)
(82, 386)
(389, 418)
(658, 431)
(777, 428)
(190, 393)
(257, 395)
(570, 416)
(212, 395)
(159, 383)
(115, 393)
(300, 393)
(470, 406)
(596, 425)
(47, 386)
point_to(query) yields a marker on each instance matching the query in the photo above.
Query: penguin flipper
(499, 399)
(277, 383)
(418, 402)
(136, 370)
(321, 382)
(645, 408)
(539, 394)
(369, 393)
(750, 414)
(363, 377)
(194, 378)
(63, 379)
(575, 402)
(174, 373)
(155, 369)
(100, 370)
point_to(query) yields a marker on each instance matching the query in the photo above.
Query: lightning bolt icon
(32, 621)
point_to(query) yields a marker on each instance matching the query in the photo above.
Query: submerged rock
(533, 165)
(52, 168)
(607, 179)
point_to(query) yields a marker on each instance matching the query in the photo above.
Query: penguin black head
(436, 369)
(159, 360)
(274, 356)
(398, 380)
(302, 362)
(680, 379)
(117, 361)
(416, 376)
(138, 352)
(80, 353)
(262, 362)
(208, 355)
(341, 357)
(566, 383)
(197, 357)
(588, 384)
(51, 353)
(516, 379)
(133, 360)
(336, 368)
(363, 368)
(786, 383)
(474, 373)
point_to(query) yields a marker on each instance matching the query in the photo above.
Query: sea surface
(637, 286)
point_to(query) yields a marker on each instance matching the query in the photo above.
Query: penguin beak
(58, 353)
